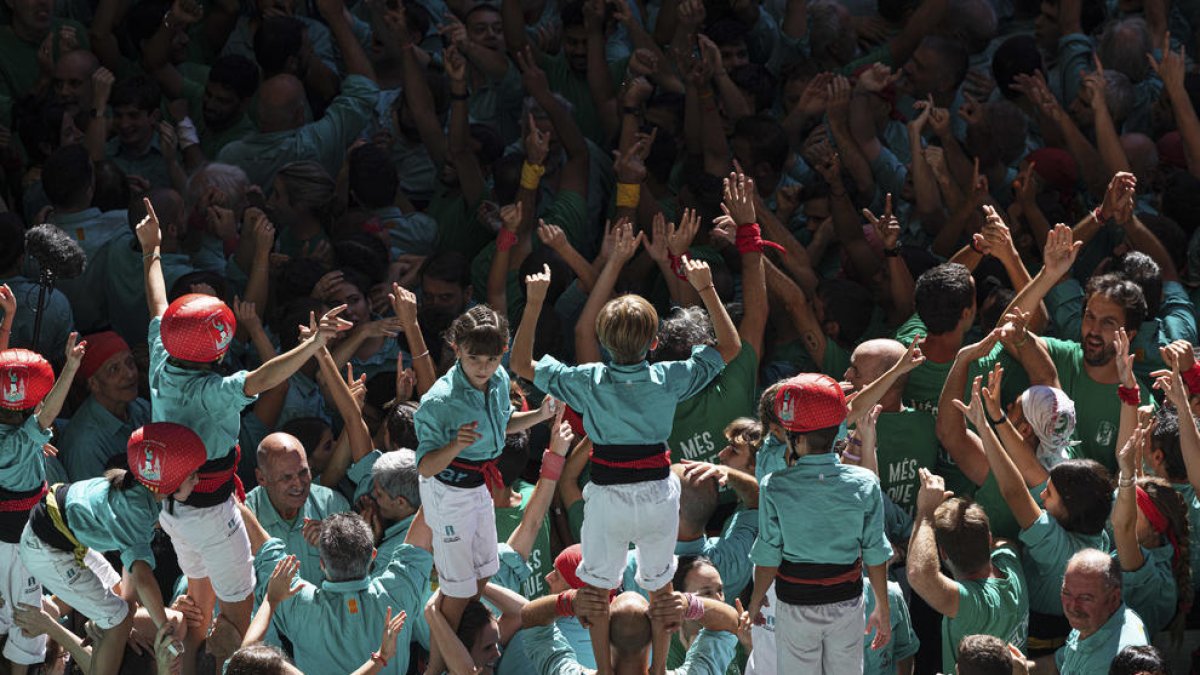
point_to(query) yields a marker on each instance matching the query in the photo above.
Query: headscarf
(1051, 413)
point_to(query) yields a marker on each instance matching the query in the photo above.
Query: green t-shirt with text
(507, 520)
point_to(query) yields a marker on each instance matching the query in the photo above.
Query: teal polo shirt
(514, 660)
(336, 626)
(452, 402)
(628, 404)
(1095, 653)
(321, 503)
(325, 141)
(904, 642)
(95, 436)
(91, 227)
(1048, 547)
(1188, 493)
(21, 465)
(820, 511)
(151, 164)
(393, 540)
(771, 457)
(410, 233)
(303, 399)
(206, 403)
(1150, 590)
(104, 519)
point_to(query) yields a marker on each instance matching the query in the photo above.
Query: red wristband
(676, 262)
(505, 240)
(552, 465)
(749, 239)
(1130, 395)
(565, 604)
(1191, 378)
(1096, 214)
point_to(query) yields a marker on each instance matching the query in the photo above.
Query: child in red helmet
(30, 399)
(186, 339)
(74, 522)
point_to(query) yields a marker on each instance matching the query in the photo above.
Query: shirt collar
(819, 459)
(398, 528)
(99, 418)
(59, 218)
(1100, 637)
(352, 586)
(461, 381)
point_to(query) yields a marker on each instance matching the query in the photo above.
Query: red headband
(1156, 519)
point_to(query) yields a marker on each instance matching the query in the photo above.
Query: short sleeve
(407, 575)
(688, 378)
(360, 473)
(514, 571)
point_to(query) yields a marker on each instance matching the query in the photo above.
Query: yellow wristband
(628, 195)
(531, 175)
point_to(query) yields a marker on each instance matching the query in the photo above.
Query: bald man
(73, 78)
(630, 633)
(907, 437)
(286, 499)
(1101, 624)
(283, 137)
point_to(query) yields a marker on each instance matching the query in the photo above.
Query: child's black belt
(466, 473)
(818, 583)
(622, 464)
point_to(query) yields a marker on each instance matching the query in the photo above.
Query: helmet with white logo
(198, 327)
(25, 379)
(163, 454)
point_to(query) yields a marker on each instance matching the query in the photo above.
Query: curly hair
(685, 327)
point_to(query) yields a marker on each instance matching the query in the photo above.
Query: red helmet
(198, 327)
(163, 454)
(25, 379)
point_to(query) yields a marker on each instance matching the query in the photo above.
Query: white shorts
(615, 516)
(820, 638)
(18, 586)
(88, 589)
(211, 543)
(463, 521)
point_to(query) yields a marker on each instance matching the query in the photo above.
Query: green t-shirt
(459, 228)
(794, 354)
(1097, 407)
(699, 430)
(1000, 517)
(566, 83)
(507, 520)
(904, 642)
(907, 442)
(992, 606)
(1048, 547)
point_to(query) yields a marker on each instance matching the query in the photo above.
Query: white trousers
(615, 516)
(826, 639)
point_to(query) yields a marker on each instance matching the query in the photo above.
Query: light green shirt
(820, 511)
(904, 642)
(907, 442)
(321, 503)
(106, 520)
(996, 606)
(552, 654)
(1150, 590)
(95, 436)
(1094, 654)
(1048, 547)
(325, 140)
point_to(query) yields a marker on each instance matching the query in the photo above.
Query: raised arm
(1108, 139)
(1012, 487)
(924, 568)
(343, 400)
(575, 171)
(521, 360)
(337, 17)
(1061, 251)
(52, 405)
(149, 235)
(470, 175)
(587, 349)
(865, 400)
(523, 537)
(420, 98)
(1171, 70)
(274, 372)
(961, 443)
(404, 304)
(1124, 514)
(8, 305)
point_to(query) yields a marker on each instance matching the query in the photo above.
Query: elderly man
(1101, 624)
(285, 501)
(393, 498)
(335, 626)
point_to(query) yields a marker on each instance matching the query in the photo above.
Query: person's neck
(118, 409)
(71, 208)
(942, 348)
(988, 572)
(893, 400)
(1103, 374)
(638, 664)
(286, 514)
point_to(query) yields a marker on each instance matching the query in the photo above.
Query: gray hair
(396, 475)
(346, 547)
(1096, 561)
(830, 34)
(228, 179)
(1124, 45)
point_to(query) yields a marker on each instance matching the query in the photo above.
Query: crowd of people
(626, 336)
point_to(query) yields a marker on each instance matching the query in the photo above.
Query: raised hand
(698, 274)
(279, 587)
(404, 304)
(887, 225)
(74, 352)
(679, 239)
(991, 393)
(974, 412)
(561, 434)
(536, 286)
(329, 325)
(912, 357)
(391, 630)
(537, 142)
(1061, 251)
(1124, 359)
(8, 302)
(739, 198)
(932, 492)
(510, 216)
(625, 242)
(148, 230)
(247, 315)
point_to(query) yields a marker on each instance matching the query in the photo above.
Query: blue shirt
(104, 519)
(452, 402)
(201, 400)
(1094, 654)
(321, 503)
(334, 628)
(820, 511)
(95, 436)
(21, 465)
(628, 404)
